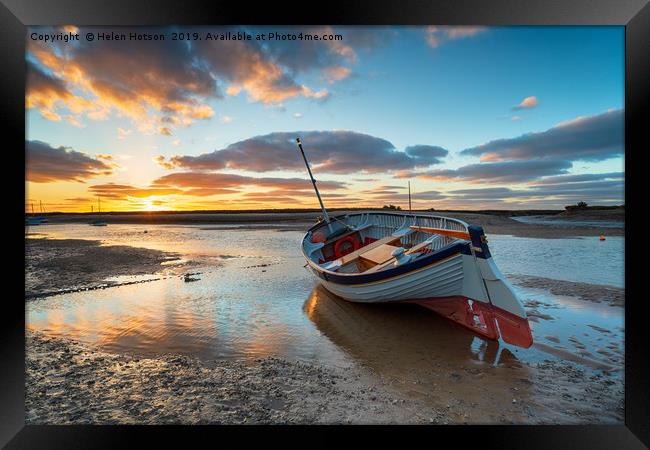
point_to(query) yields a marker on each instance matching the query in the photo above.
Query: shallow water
(552, 220)
(254, 298)
(582, 259)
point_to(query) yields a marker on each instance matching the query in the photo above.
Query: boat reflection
(407, 335)
(425, 358)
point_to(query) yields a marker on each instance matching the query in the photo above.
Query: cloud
(611, 192)
(123, 133)
(204, 180)
(487, 193)
(122, 191)
(160, 160)
(145, 81)
(172, 82)
(497, 172)
(591, 187)
(201, 184)
(592, 138)
(328, 151)
(423, 195)
(72, 120)
(427, 152)
(527, 103)
(564, 179)
(269, 72)
(46, 164)
(435, 35)
(336, 73)
(308, 55)
(47, 93)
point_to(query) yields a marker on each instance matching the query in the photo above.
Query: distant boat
(31, 221)
(43, 218)
(98, 222)
(35, 220)
(441, 263)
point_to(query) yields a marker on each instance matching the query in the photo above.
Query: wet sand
(596, 293)
(411, 366)
(55, 265)
(69, 383)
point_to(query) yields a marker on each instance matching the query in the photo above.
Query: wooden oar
(443, 231)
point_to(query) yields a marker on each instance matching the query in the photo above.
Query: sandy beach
(409, 367)
(69, 383)
(56, 265)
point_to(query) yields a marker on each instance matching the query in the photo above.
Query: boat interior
(371, 242)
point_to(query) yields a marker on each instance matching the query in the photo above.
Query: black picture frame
(16, 15)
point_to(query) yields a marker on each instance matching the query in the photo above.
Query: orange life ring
(339, 250)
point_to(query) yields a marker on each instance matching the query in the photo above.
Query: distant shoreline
(574, 223)
(502, 212)
(610, 212)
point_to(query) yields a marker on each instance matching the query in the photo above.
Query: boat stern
(504, 305)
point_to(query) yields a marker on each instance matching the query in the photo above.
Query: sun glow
(151, 204)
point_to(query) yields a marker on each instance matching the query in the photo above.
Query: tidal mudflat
(255, 340)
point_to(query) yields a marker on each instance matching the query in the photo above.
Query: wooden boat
(441, 263)
(438, 262)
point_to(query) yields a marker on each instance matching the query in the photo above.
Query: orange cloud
(121, 191)
(527, 103)
(206, 180)
(336, 73)
(167, 84)
(436, 35)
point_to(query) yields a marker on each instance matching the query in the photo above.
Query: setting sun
(151, 204)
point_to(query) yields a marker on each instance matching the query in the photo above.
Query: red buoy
(602, 237)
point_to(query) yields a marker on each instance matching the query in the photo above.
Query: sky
(473, 117)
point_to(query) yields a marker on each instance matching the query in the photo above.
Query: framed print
(387, 214)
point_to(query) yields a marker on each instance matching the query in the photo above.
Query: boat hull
(441, 279)
(482, 318)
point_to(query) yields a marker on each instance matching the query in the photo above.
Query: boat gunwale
(386, 213)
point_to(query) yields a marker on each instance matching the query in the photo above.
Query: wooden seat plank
(380, 254)
(414, 249)
(355, 254)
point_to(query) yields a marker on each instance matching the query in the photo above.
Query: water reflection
(399, 335)
(235, 311)
(426, 357)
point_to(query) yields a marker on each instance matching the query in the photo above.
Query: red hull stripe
(482, 318)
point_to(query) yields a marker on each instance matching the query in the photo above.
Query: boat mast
(322, 207)
(409, 196)
(99, 204)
